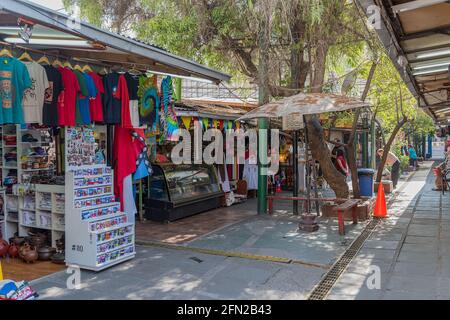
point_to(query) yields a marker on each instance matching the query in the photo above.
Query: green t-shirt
(84, 92)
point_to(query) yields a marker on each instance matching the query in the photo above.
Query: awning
(56, 33)
(305, 104)
(416, 34)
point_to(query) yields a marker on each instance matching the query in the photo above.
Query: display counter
(178, 191)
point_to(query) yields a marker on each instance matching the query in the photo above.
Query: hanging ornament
(221, 124)
(238, 125)
(186, 121)
(205, 123)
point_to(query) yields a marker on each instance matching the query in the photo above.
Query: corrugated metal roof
(130, 47)
(305, 104)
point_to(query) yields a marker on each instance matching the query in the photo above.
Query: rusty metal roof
(416, 35)
(305, 104)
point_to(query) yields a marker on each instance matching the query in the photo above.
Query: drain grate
(322, 290)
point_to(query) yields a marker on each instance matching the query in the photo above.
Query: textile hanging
(221, 124)
(143, 165)
(170, 123)
(238, 125)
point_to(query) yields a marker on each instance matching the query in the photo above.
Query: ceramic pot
(13, 251)
(29, 254)
(4, 246)
(18, 241)
(58, 258)
(45, 253)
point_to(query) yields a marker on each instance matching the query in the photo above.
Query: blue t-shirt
(14, 79)
(412, 153)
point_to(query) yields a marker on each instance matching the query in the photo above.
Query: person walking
(394, 163)
(412, 157)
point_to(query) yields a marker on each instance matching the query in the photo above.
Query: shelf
(94, 176)
(10, 146)
(28, 225)
(105, 216)
(45, 209)
(115, 261)
(112, 239)
(37, 142)
(115, 249)
(127, 224)
(94, 186)
(98, 206)
(10, 168)
(43, 227)
(41, 169)
(24, 209)
(93, 196)
(59, 212)
(59, 230)
(12, 220)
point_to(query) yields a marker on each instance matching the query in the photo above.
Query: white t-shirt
(33, 97)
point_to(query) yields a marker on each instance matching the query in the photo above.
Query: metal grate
(322, 290)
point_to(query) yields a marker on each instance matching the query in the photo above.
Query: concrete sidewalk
(411, 248)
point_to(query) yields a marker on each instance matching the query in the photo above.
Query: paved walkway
(411, 248)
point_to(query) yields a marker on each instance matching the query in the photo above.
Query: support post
(262, 165)
(178, 89)
(373, 157)
(295, 170)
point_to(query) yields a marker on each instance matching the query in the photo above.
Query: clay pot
(18, 241)
(29, 254)
(13, 251)
(45, 253)
(4, 246)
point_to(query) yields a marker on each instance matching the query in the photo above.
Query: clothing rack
(55, 55)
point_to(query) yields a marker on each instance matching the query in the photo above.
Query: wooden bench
(270, 200)
(348, 205)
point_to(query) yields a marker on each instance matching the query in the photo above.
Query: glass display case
(178, 191)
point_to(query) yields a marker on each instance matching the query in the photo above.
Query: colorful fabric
(95, 105)
(67, 98)
(122, 94)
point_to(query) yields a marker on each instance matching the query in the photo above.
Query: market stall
(75, 103)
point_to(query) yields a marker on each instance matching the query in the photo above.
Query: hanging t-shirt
(14, 79)
(122, 94)
(133, 85)
(33, 98)
(95, 105)
(49, 112)
(112, 107)
(82, 109)
(84, 103)
(67, 98)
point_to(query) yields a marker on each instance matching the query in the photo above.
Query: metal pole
(262, 165)
(308, 171)
(295, 170)
(373, 158)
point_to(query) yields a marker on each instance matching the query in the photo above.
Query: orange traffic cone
(380, 210)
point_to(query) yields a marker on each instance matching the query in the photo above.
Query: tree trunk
(321, 153)
(351, 143)
(387, 148)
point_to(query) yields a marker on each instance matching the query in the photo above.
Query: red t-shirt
(122, 94)
(95, 105)
(67, 98)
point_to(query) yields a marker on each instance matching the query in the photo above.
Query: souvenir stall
(72, 135)
(178, 191)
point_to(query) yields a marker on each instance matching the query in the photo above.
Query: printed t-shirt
(14, 79)
(82, 109)
(49, 112)
(112, 107)
(33, 98)
(95, 105)
(67, 98)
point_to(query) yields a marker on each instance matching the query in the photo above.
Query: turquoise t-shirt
(14, 79)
